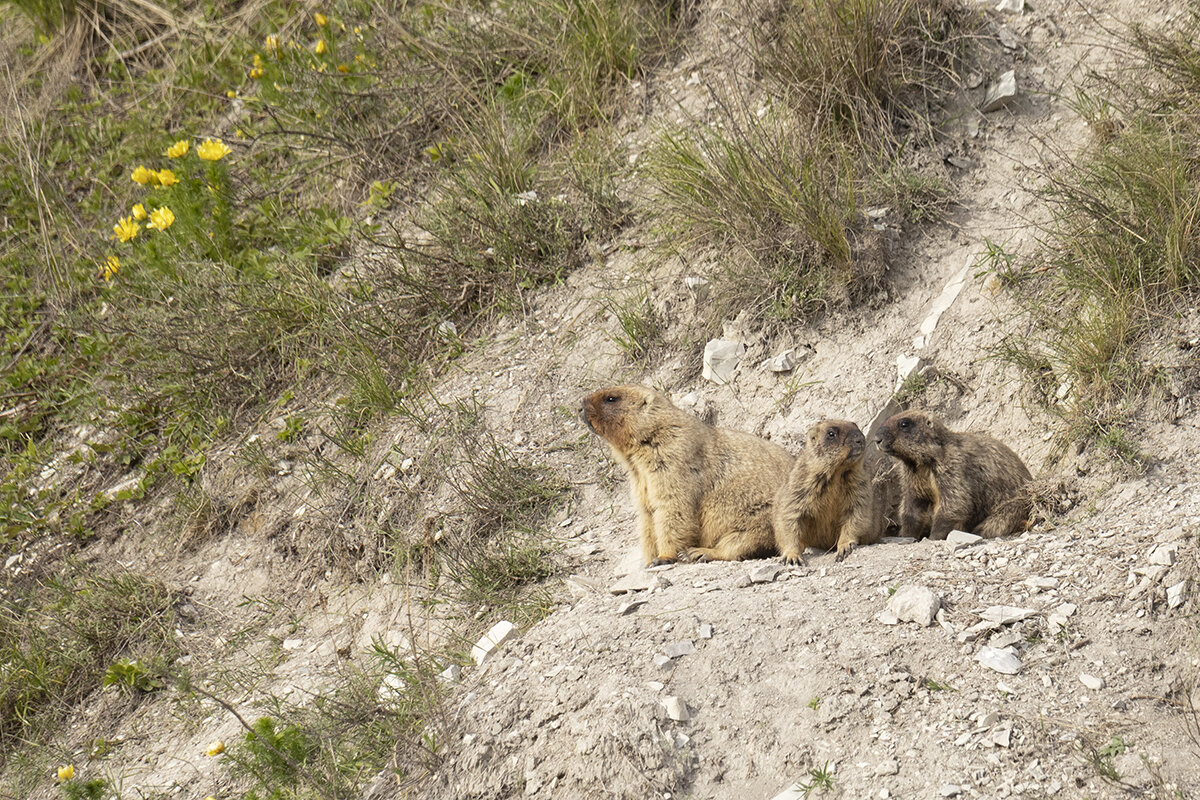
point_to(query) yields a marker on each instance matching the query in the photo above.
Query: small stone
(638, 581)
(950, 790)
(960, 539)
(1001, 91)
(765, 573)
(916, 604)
(629, 606)
(889, 767)
(292, 644)
(491, 640)
(1164, 554)
(1009, 39)
(898, 540)
(721, 359)
(1001, 735)
(1011, 6)
(1055, 623)
(975, 631)
(1039, 583)
(887, 618)
(662, 662)
(676, 708)
(697, 285)
(706, 630)
(1176, 593)
(581, 585)
(784, 362)
(1003, 640)
(1067, 609)
(999, 660)
(742, 582)
(1006, 615)
(451, 673)
(679, 649)
(1091, 681)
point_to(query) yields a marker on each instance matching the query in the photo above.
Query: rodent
(701, 493)
(827, 499)
(955, 481)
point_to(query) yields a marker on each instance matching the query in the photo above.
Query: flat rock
(721, 359)
(1001, 661)
(582, 585)
(1001, 91)
(888, 767)
(1006, 615)
(765, 573)
(887, 618)
(1164, 554)
(676, 708)
(950, 790)
(680, 648)
(1039, 583)
(706, 630)
(640, 581)
(898, 540)
(960, 539)
(1091, 681)
(451, 673)
(629, 606)
(1067, 609)
(496, 636)
(1177, 593)
(784, 362)
(978, 629)
(916, 604)
(1011, 6)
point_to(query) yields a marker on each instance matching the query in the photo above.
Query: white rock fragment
(950, 790)
(629, 606)
(662, 662)
(706, 630)
(679, 649)
(784, 362)
(697, 285)
(1011, 6)
(676, 708)
(1006, 615)
(1177, 593)
(1067, 609)
(1091, 681)
(960, 539)
(293, 644)
(1164, 554)
(888, 767)
(1001, 735)
(917, 604)
(1002, 661)
(1000, 92)
(491, 640)
(721, 359)
(451, 673)
(975, 631)
(581, 585)
(887, 618)
(941, 303)
(1038, 583)
(639, 581)
(765, 573)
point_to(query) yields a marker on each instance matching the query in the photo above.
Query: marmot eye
(610, 398)
(905, 423)
(831, 433)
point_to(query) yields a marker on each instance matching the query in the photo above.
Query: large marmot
(826, 502)
(701, 492)
(955, 481)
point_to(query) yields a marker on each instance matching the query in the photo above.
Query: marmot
(701, 493)
(955, 481)
(826, 501)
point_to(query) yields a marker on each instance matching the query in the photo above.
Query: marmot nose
(879, 438)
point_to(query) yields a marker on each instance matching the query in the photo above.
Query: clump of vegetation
(639, 333)
(846, 86)
(1121, 253)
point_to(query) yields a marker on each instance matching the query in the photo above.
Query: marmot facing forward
(826, 501)
(964, 481)
(700, 492)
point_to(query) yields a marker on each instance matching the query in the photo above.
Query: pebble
(889, 767)
(496, 636)
(681, 648)
(629, 606)
(1091, 681)
(1039, 583)
(765, 573)
(1006, 615)
(1175, 594)
(916, 604)
(961, 539)
(1005, 87)
(676, 708)
(999, 660)
(1164, 554)
(706, 630)
(950, 790)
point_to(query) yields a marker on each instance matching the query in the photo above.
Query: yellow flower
(167, 178)
(161, 219)
(178, 150)
(343, 68)
(139, 212)
(143, 176)
(65, 773)
(256, 72)
(125, 230)
(320, 48)
(271, 45)
(213, 150)
(231, 94)
(108, 271)
(321, 19)
(216, 748)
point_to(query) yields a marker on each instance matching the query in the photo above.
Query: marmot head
(836, 442)
(620, 414)
(913, 437)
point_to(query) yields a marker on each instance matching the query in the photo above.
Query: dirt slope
(787, 676)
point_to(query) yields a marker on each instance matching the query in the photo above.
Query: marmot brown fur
(955, 481)
(701, 492)
(826, 501)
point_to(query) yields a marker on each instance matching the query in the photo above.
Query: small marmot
(955, 481)
(826, 502)
(701, 493)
